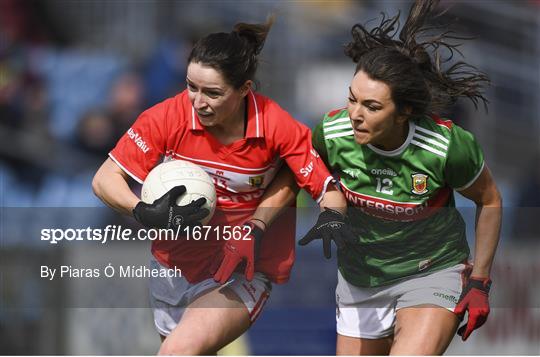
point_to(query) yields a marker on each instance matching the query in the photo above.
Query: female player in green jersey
(405, 282)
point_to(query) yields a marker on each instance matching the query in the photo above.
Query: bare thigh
(363, 346)
(211, 321)
(423, 330)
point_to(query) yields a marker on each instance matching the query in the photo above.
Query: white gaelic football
(173, 173)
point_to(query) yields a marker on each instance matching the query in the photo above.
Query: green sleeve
(317, 138)
(464, 161)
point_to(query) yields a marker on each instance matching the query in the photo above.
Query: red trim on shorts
(258, 306)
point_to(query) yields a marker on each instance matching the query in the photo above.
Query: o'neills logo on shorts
(141, 144)
(451, 298)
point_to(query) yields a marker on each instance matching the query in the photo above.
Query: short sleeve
(293, 141)
(465, 159)
(317, 139)
(141, 148)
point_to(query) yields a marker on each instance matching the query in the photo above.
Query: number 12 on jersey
(384, 186)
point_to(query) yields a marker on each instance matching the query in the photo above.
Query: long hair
(413, 64)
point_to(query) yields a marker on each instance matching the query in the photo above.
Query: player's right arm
(137, 152)
(277, 198)
(110, 184)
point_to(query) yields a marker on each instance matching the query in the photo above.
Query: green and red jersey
(401, 202)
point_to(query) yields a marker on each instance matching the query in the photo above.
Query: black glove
(165, 213)
(330, 226)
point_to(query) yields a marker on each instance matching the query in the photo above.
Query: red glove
(236, 251)
(475, 300)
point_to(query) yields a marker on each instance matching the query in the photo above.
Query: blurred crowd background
(74, 75)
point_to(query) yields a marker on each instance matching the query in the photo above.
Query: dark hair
(416, 78)
(234, 54)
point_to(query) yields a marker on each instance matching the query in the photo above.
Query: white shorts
(371, 312)
(169, 296)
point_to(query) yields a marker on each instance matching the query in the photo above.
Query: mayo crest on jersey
(241, 172)
(401, 201)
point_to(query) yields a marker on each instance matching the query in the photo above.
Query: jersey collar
(255, 128)
(400, 149)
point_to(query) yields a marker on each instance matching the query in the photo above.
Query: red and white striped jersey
(241, 171)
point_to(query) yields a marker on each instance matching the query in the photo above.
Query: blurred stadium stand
(71, 74)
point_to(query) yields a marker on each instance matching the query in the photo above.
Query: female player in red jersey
(404, 284)
(240, 138)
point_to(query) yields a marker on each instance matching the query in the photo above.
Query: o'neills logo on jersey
(419, 184)
(141, 144)
(383, 172)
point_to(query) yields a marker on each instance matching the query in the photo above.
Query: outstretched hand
(330, 226)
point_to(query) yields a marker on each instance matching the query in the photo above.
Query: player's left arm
(277, 197)
(474, 297)
(488, 201)
(466, 171)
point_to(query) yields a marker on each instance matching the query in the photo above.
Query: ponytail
(234, 54)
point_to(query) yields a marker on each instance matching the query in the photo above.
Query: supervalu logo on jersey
(419, 184)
